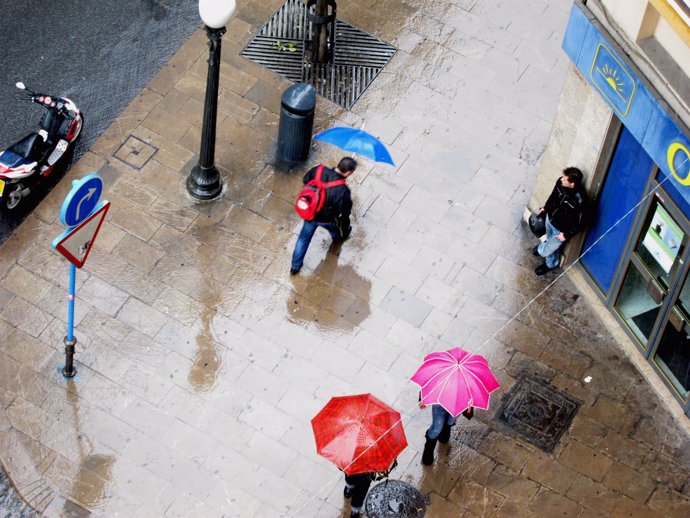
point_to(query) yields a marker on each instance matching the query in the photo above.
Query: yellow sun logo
(613, 78)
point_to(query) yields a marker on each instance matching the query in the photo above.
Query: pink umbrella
(456, 380)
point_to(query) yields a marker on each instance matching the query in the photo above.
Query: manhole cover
(395, 499)
(357, 60)
(135, 152)
(538, 412)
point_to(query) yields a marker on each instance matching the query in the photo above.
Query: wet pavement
(201, 360)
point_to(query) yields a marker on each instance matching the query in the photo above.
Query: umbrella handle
(384, 474)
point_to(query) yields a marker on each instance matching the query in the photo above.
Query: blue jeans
(305, 235)
(439, 417)
(550, 249)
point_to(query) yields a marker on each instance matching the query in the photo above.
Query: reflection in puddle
(91, 481)
(95, 470)
(204, 372)
(334, 297)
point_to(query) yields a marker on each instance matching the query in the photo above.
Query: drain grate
(395, 499)
(538, 412)
(357, 60)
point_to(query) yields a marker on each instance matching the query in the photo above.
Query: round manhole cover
(395, 499)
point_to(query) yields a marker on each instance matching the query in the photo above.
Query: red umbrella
(359, 434)
(456, 380)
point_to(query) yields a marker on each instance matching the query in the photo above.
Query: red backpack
(313, 196)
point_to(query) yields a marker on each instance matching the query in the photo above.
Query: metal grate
(357, 60)
(538, 412)
(395, 499)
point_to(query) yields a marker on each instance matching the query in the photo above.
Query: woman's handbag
(469, 413)
(537, 224)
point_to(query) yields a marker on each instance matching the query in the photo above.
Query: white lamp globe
(216, 13)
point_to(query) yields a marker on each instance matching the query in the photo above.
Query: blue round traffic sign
(81, 200)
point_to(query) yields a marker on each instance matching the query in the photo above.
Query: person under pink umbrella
(453, 382)
(439, 431)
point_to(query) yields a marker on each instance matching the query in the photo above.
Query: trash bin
(296, 122)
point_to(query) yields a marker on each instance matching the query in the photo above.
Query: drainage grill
(357, 60)
(539, 412)
(395, 499)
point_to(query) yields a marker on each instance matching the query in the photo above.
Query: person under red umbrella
(362, 436)
(357, 487)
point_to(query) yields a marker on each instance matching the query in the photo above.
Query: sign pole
(82, 213)
(70, 341)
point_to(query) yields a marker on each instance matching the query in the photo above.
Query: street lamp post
(204, 181)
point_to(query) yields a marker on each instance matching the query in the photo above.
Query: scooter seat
(12, 160)
(29, 147)
(14, 166)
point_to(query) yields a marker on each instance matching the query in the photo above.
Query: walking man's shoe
(293, 271)
(542, 269)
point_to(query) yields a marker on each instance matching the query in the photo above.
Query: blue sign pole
(78, 206)
(70, 341)
(72, 294)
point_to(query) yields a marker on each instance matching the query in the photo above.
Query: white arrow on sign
(75, 244)
(89, 193)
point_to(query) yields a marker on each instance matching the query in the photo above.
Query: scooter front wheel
(11, 197)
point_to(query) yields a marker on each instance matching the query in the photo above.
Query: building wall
(583, 117)
(674, 45)
(578, 131)
(582, 128)
(657, 40)
(628, 15)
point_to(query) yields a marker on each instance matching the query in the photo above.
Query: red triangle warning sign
(75, 243)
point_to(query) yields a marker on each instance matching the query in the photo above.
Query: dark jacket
(338, 200)
(567, 209)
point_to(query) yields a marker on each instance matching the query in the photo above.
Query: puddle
(334, 297)
(204, 371)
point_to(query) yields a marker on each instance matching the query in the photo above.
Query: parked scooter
(24, 164)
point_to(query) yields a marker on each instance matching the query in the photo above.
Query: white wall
(673, 44)
(627, 15)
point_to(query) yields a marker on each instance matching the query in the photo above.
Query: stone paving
(201, 360)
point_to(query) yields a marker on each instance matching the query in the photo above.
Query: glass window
(684, 300)
(673, 354)
(638, 303)
(660, 244)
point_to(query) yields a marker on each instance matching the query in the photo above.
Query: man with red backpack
(324, 202)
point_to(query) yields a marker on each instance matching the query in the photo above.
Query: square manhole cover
(358, 57)
(135, 152)
(538, 412)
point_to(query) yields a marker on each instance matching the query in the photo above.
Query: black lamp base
(204, 184)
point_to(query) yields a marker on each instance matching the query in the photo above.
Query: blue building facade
(636, 251)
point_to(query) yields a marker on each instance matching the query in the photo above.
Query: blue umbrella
(357, 142)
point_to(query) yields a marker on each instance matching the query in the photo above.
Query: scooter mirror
(21, 85)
